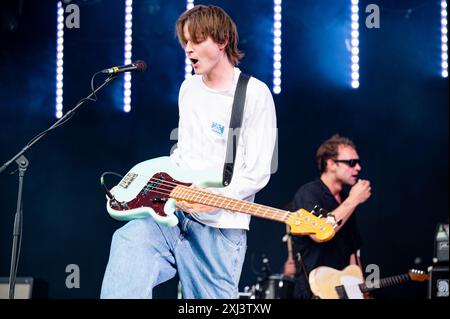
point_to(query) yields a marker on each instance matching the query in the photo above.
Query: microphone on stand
(138, 66)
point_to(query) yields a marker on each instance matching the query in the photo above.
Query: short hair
(210, 21)
(330, 149)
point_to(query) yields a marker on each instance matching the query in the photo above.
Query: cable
(102, 182)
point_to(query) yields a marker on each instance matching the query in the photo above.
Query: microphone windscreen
(141, 66)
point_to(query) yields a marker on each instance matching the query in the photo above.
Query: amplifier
(438, 284)
(22, 290)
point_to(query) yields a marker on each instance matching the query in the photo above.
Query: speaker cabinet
(23, 289)
(438, 286)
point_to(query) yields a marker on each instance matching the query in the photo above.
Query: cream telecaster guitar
(151, 188)
(329, 283)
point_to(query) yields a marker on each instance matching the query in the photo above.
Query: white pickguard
(351, 286)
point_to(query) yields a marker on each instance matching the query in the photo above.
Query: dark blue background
(398, 118)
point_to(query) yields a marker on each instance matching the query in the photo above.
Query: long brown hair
(210, 21)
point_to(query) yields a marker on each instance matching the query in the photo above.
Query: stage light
(187, 62)
(59, 59)
(187, 68)
(128, 47)
(354, 43)
(277, 46)
(444, 40)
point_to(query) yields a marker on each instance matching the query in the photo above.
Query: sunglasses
(350, 162)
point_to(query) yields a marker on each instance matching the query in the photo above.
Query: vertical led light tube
(276, 88)
(127, 54)
(59, 58)
(187, 62)
(354, 43)
(444, 39)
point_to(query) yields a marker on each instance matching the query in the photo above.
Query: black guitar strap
(235, 125)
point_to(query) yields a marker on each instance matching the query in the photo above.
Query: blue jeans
(145, 254)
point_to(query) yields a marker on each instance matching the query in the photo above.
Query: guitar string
(385, 282)
(276, 213)
(281, 214)
(199, 192)
(168, 183)
(250, 210)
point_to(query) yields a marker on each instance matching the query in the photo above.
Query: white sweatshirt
(202, 141)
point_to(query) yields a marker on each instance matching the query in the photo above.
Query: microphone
(138, 66)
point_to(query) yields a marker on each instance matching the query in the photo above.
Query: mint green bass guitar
(151, 189)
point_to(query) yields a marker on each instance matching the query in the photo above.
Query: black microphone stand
(22, 163)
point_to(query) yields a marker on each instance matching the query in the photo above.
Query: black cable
(94, 98)
(19, 245)
(102, 182)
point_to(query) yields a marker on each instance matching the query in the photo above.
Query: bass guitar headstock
(303, 222)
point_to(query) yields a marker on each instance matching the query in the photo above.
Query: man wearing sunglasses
(338, 191)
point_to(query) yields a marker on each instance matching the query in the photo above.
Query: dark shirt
(334, 253)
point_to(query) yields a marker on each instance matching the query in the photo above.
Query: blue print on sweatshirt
(217, 128)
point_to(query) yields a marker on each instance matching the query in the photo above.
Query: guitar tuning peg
(316, 210)
(319, 211)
